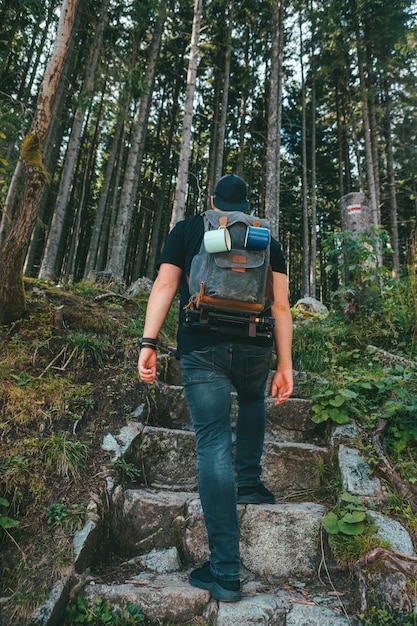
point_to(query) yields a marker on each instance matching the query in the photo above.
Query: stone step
(168, 459)
(288, 422)
(277, 540)
(169, 597)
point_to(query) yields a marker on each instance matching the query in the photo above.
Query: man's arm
(162, 294)
(282, 383)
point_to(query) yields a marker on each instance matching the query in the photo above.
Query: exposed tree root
(405, 489)
(401, 562)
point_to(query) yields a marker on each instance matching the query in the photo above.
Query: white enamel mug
(217, 240)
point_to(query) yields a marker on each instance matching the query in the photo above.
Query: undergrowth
(63, 387)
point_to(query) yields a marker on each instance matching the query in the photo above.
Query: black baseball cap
(230, 194)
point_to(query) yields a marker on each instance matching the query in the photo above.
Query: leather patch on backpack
(239, 258)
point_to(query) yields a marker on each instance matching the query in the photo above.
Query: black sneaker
(223, 590)
(257, 494)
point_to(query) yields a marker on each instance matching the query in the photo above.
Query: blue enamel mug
(257, 238)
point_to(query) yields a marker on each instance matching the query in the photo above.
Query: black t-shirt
(181, 245)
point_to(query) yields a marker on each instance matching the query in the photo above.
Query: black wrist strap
(147, 342)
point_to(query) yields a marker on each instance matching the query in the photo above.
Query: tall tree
(221, 133)
(98, 234)
(48, 267)
(273, 148)
(182, 176)
(12, 253)
(305, 284)
(119, 247)
(313, 240)
(366, 117)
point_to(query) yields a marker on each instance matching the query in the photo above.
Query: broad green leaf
(337, 401)
(8, 522)
(348, 497)
(348, 393)
(351, 529)
(331, 523)
(354, 517)
(340, 417)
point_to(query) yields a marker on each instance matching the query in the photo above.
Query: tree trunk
(182, 176)
(214, 136)
(225, 96)
(71, 268)
(392, 184)
(117, 256)
(12, 253)
(273, 150)
(52, 145)
(157, 235)
(49, 261)
(305, 283)
(366, 121)
(103, 203)
(240, 169)
(32, 68)
(6, 217)
(313, 242)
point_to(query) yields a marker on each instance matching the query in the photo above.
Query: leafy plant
(128, 471)
(352, 533)
(70, 517)
(333, 405)
(66, 456)
(5, 521)
(23, 380)
(102, 614)
(349, 517)
(356, 257)
(384, 616)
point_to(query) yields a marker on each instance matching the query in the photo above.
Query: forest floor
(67, 378)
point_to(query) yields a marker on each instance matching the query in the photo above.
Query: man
(211, 362)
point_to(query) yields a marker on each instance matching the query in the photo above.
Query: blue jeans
(208, 376)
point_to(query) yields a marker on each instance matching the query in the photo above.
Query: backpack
(231, 289)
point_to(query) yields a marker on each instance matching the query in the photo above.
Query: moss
(31, 154)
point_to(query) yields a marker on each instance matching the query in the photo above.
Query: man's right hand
(147, 365)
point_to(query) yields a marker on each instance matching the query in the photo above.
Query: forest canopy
(307, 101)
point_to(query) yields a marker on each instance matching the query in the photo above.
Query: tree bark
(117, 255)
(313, 242)
(366, 120)
(392, 185)
(12, 253)
(273, 150)
(225, 96)
(305, 278)
(49, 261)
(182, 176)
(103, 204)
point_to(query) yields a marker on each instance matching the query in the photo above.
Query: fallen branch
(405, 563)
(402, 563)
(405, 489)
(51, 363)
(111, 294)
(391, 359)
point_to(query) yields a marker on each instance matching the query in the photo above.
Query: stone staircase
(156, 532)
